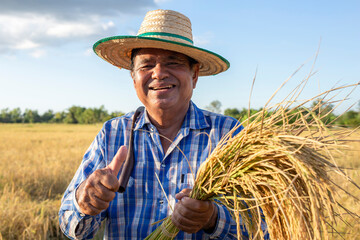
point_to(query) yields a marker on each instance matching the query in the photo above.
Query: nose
(159, 72)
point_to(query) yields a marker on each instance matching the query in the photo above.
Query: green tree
(5, 116)
(73, 114)
(16, 115)
(31, 116)
(101, 113)
(89, 116)
(94, 115)
(349, 119)
(47, 116)
(215, 106)
(113, 115)
(59, 117)
(323, 110)
(232, 112)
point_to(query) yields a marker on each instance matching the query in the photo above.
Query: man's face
(163, 79)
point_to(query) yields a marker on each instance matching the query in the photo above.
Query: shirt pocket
(186, 181)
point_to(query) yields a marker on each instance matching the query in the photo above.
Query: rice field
(37, 162)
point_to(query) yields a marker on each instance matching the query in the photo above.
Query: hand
(99, 189)
(191, 215)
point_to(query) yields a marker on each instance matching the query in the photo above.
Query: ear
(195, 74)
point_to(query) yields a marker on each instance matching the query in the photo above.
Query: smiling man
(164, 82)
(170, 138)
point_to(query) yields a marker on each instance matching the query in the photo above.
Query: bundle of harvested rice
(275, 170)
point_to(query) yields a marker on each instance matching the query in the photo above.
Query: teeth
(168, 87)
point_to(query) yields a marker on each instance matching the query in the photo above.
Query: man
(171, 138)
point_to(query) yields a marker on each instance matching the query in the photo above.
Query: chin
(165, 105)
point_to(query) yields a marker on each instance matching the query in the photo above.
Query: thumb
(184, 193)
(118, 160)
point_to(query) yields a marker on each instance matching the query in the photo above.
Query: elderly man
(170, 138)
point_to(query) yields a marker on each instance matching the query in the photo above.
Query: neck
(168, 123)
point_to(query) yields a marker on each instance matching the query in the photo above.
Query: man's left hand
(191, 215)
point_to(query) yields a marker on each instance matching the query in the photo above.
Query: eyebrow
(170, 57)
(145, 60)
(176, 57)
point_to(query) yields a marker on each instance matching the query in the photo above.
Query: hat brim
(117, 51)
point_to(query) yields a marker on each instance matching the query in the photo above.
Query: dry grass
(37, 163)
(280, 169)
(349, 159)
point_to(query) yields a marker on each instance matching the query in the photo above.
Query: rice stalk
(276, 170)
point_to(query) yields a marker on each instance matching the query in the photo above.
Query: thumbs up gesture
(99, 189)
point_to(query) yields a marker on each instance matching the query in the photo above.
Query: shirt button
(161, 201)
(163, 165)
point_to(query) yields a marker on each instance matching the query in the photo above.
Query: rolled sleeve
(74, 223)
(225, 226)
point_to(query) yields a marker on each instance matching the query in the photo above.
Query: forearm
(75, 224)
(225, 227)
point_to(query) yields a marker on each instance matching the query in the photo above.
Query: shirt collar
(194, 119)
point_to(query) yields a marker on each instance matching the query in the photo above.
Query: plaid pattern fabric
(131, 214)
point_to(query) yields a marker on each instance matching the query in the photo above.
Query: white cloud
(33, 31)
(28, 25)
(70, 9)
(161, 1)
(71, 29)
(25, 44)
(108, 25)
(38, 53)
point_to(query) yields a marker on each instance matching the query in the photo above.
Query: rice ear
(276, 170)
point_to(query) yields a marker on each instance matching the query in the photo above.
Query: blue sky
(46, 58)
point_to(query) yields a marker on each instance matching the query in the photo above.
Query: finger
(85, 199)
(98, 203)
(93, 208)
(106, 190)
(103, 180)
(184, 193)
(183, 223)
(197, 206)
(118, 160)
(110, 182)
(186, 225)
(88, 209)
(193, 213)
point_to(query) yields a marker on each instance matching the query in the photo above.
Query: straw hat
(164, 29)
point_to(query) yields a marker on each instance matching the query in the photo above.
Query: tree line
(74, 114)
(82, 115)
(350, 118)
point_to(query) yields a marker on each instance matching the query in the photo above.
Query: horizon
(46, 57)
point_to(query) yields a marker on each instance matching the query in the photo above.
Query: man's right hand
(99, 189)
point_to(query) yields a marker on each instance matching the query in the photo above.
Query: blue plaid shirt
(131, 214)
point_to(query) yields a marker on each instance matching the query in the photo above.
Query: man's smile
(162, 87)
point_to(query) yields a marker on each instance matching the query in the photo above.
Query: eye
(174, 63)
(146, 66)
